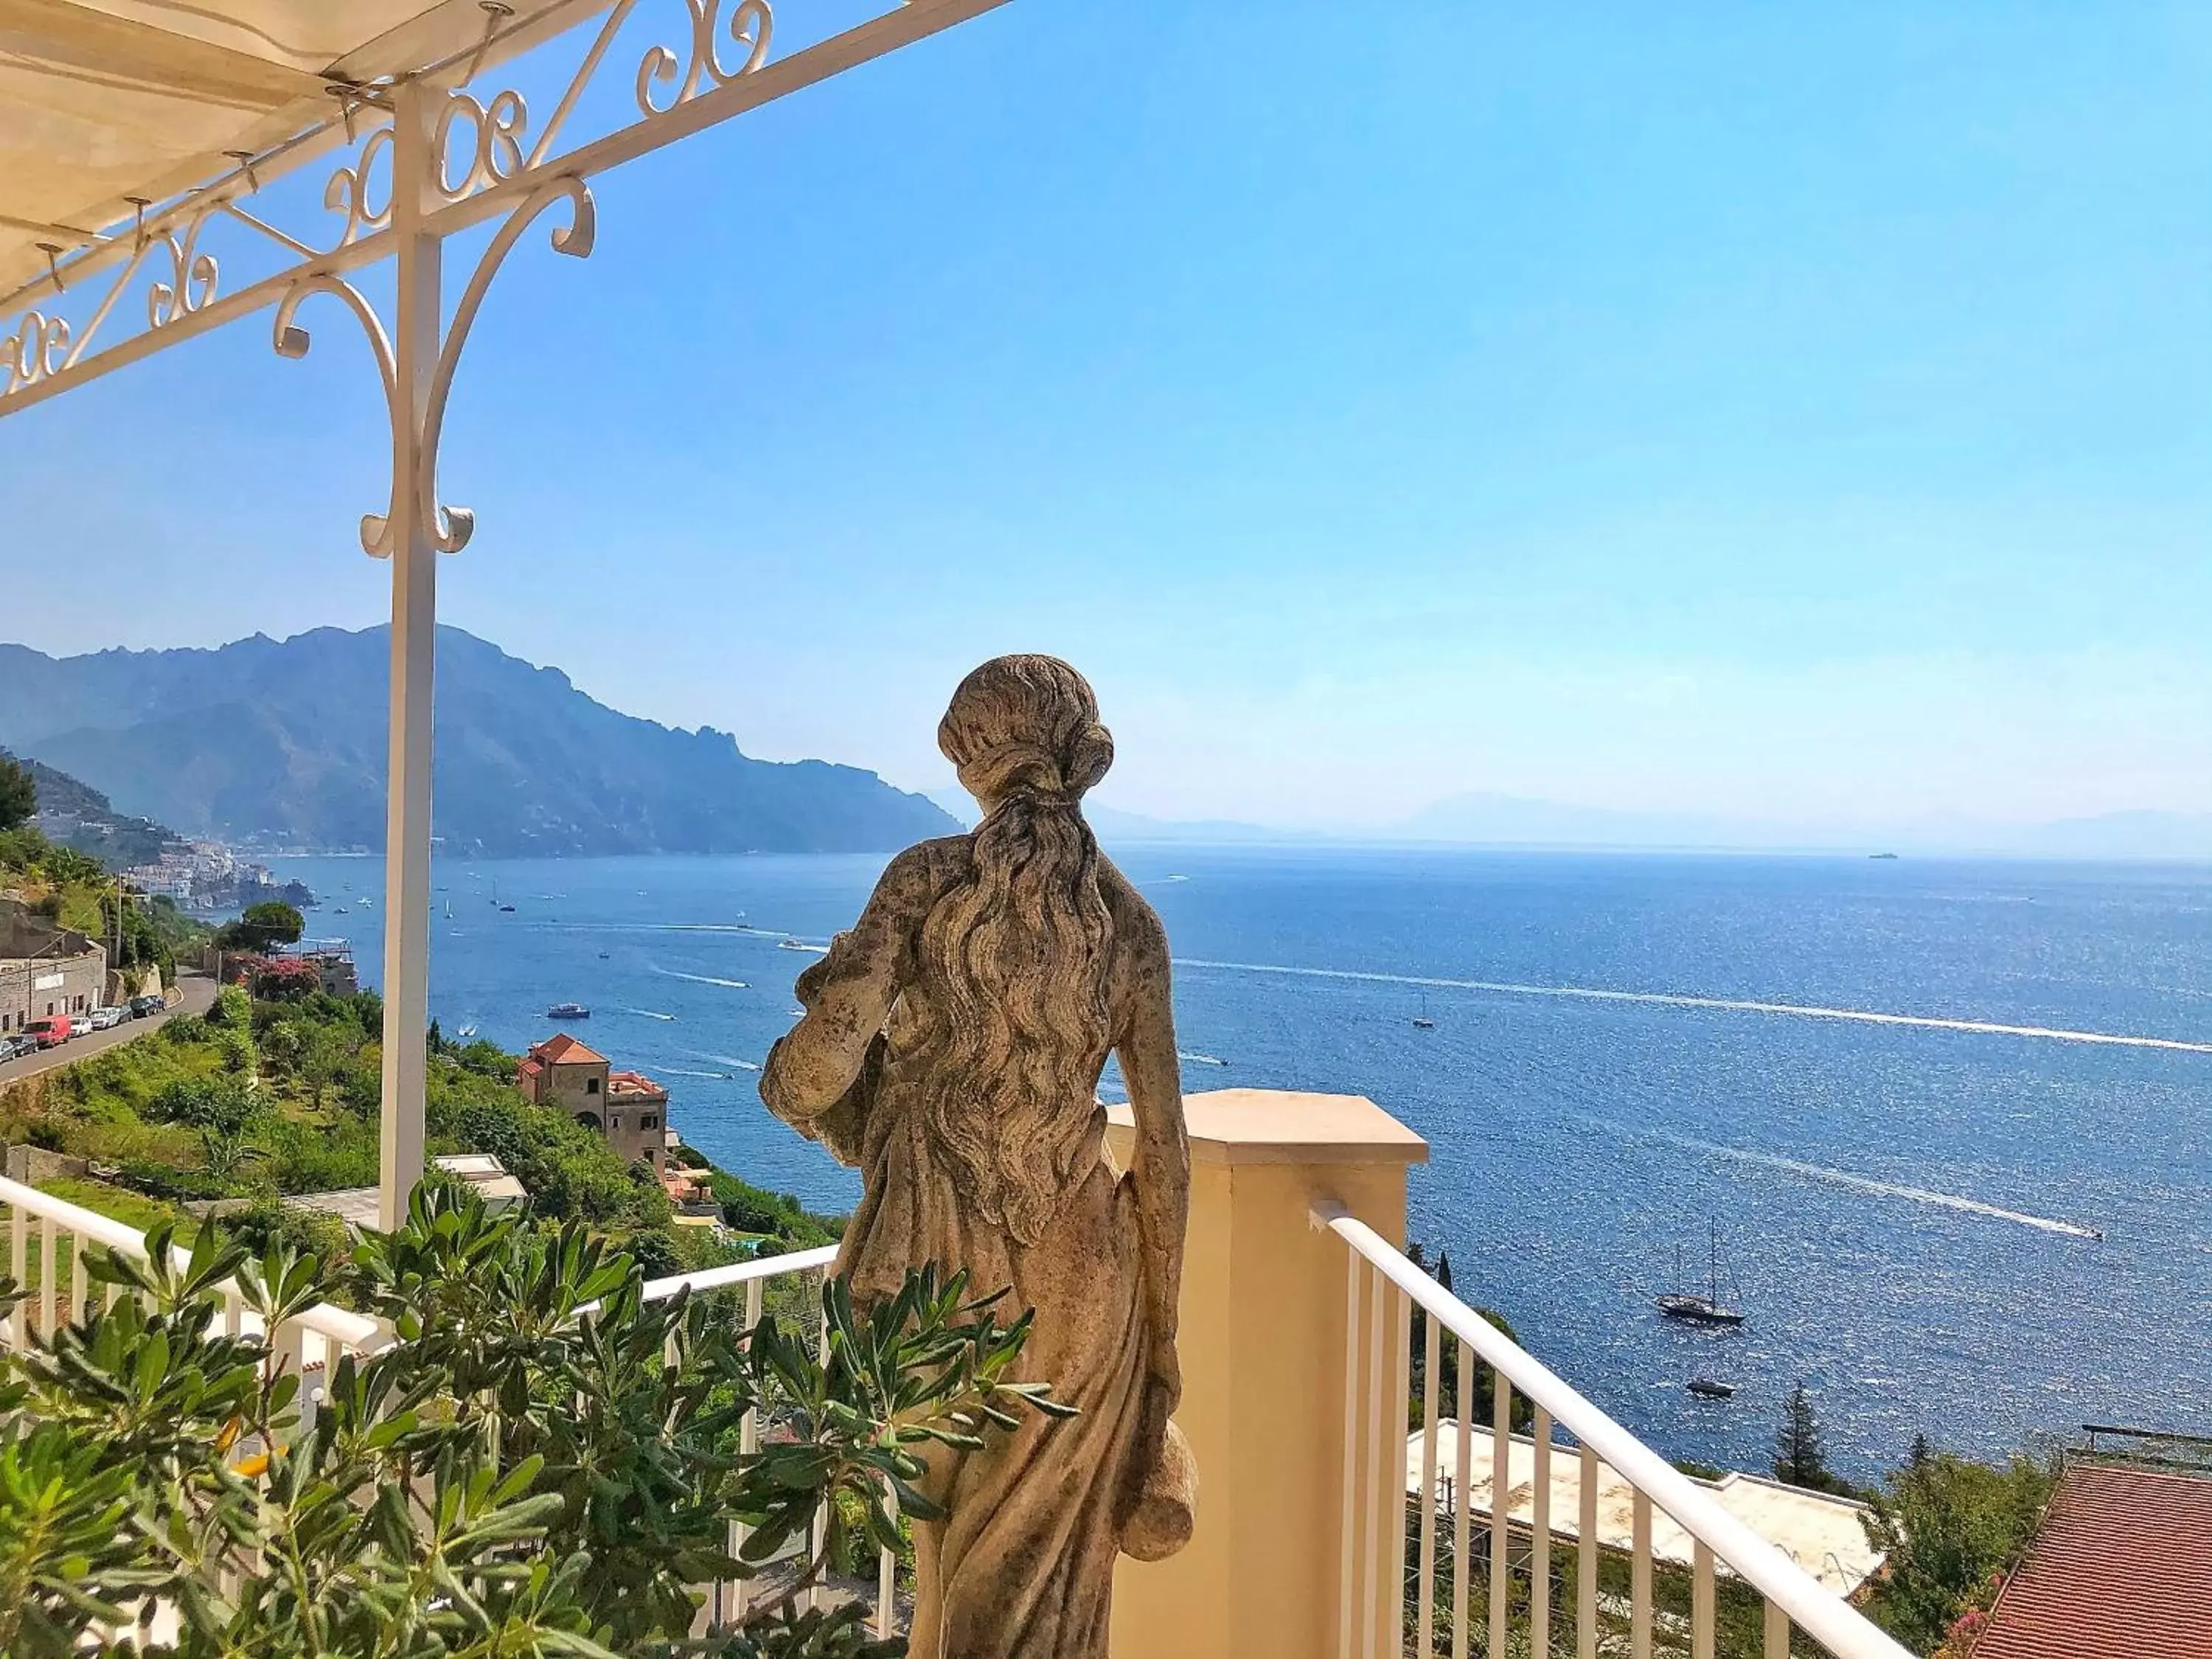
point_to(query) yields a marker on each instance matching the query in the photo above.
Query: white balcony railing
(1384, 1293)
(727, 1603)
(1426, 1594)
(316, 1338)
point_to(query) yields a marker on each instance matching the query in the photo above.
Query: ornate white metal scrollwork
(35, 350)
(192, 275)
(749, 25)
(348, 190)
(496, 132)
(293, 341)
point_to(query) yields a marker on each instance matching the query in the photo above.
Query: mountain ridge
(282, 742)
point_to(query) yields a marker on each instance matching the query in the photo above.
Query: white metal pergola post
(429, 158)
(420, 255)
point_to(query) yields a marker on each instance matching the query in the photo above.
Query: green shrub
(203, 1102)
(1950, 1526)
(269, 1223)
(178, 1186)
(751, 1209)
(542, 1464)
(570, 1170)
(232, 1009)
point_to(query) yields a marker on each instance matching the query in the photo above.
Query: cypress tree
(1801, 1453)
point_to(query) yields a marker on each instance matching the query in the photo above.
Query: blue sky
(1795, 410)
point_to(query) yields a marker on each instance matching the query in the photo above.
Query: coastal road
(199, 996)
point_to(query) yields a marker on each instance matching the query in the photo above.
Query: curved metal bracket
(293, 341)
(450, 528)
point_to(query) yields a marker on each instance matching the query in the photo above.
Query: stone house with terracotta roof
(629, 1109)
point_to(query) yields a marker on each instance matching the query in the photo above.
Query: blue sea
(1976, 1234)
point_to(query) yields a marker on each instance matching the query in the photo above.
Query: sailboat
(1707, 1310)
(1421, 1021)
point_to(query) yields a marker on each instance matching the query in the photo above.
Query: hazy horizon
(1788, 414)
(1494, 819)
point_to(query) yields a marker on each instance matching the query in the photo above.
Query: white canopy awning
(105, 101)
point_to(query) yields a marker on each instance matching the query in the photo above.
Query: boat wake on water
(1200, 1060)
(1821, 1172)
(648, 1014)
(727, 1059)
(677, 1071)
(1736, 1005)
(702, 979)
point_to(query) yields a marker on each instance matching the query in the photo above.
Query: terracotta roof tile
(565, 1050)
(2120, 1569)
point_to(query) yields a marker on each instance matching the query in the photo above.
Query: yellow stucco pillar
(1262, 1348)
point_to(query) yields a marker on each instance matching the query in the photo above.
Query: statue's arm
(847, 996)
(1161, 1163)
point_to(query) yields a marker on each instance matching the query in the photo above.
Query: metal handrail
(741, 1273)
(88, 1223)
(335, 1325)
(1817, 1611)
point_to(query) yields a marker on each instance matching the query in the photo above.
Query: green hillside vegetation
(260, 1100)
(1953, 1528)
(71, 889)
(118, 840)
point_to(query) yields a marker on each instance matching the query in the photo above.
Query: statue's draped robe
(1022, 1566)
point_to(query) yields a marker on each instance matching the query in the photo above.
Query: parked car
(49, 1033)
(13, 1048)
(108, 1018)
(142, 1007)
(80, 1025)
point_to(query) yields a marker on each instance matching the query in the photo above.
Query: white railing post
(1462, 1511)
(1539, 1543)
(1501, 1508)
(1425, 1616)
(724, 1603)
(19, 1270)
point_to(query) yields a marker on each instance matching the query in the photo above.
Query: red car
(49, 1033)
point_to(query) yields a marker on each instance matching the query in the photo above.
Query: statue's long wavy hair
(1014, 957)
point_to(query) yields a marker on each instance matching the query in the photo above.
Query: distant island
(267, 743)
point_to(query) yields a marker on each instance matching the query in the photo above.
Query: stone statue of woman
(951, 1050)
